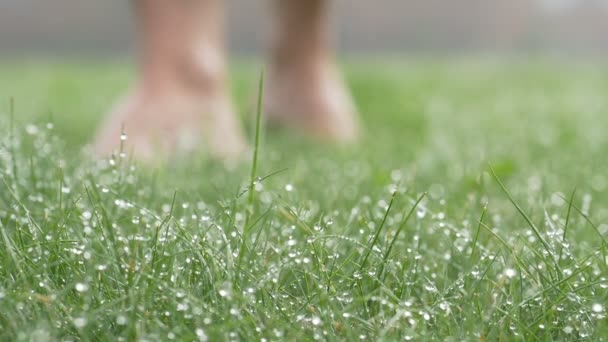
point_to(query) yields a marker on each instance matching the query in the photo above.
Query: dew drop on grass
(568, 329)
(420, 213)
(31, 129)
(121, 320)
(597, 308)
(288, 187)
(80, 322)
(586, 204)
(82, 287)
(315, 320)
(200, 333)
(224, 293)
(510, 273)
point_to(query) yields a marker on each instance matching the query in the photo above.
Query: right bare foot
(311, 97)
(304, 89)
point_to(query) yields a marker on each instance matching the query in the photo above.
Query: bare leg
(180, 100)
(304, 88)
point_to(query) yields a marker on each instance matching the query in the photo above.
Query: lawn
(475, 207)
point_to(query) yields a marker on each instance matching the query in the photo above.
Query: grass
(475, 207)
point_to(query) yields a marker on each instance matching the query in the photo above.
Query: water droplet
(200, 333)
(288, 187)
(315, 320)
(86, 215)
(510, 273)
(31, 129)
(420, 213)
(597, 307)
(123, 136)
(568, 329)
(80, 322)
(82, 287)
(121, 320)
(292, 242)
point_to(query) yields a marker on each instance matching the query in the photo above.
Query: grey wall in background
(67, 27)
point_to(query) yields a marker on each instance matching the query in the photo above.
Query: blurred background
(363, 27)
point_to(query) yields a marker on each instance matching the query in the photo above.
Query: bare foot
(313, 98)
(304, 89)
(171, 125)
(180, 102)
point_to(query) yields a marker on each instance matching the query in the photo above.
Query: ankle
(199, 68)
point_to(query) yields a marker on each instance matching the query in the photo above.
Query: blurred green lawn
(443, 120)
(430, 127)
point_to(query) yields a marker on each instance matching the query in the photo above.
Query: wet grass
(474, 208)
